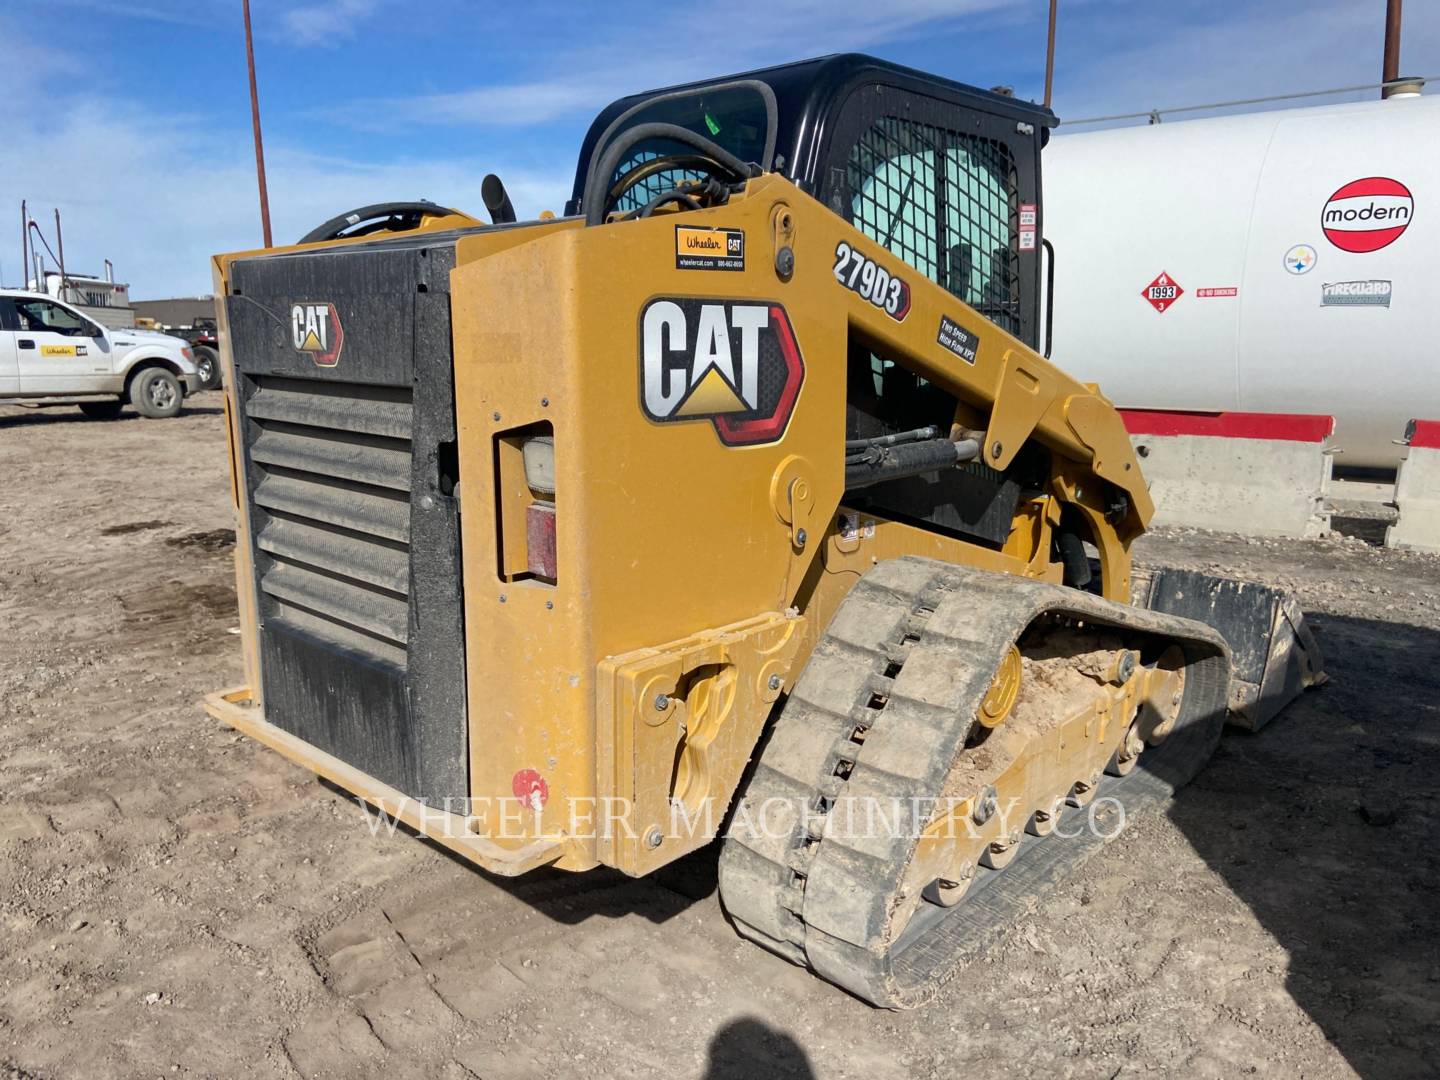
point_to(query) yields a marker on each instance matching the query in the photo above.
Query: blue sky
(132, 116)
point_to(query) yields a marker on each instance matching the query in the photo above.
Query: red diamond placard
(1162, 292)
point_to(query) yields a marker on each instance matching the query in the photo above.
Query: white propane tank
(1269, 262)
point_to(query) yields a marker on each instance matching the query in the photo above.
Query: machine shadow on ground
(1323, 824)
(570, 899)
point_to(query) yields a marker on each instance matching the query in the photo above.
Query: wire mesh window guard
(946, 203)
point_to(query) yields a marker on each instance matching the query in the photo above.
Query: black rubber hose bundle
(598, 182)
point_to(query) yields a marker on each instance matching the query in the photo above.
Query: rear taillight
(540, 540)
(539, 456)
(539, 453)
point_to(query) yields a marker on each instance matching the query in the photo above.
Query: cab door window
(45, 316)
(945, 202)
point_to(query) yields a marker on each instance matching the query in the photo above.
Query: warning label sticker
(1222, 290)
(1029, 221)
(957, 339)
(700, 248)
(1162, 292)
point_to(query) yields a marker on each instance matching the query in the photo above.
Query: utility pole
(60, 243)
(1050, 52)
(1391, 69)
(255, 120)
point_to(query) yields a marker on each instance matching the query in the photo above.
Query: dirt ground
(176, 900)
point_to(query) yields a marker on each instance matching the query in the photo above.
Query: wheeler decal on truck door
(732, 362)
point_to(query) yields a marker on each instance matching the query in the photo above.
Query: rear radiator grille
(332, 481)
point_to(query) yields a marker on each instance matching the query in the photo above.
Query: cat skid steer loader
(738, 501)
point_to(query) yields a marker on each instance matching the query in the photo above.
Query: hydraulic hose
(880, 463)
(599, 179)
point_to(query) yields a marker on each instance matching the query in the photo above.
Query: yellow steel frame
(684, 600)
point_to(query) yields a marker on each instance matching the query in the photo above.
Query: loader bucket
(1274, 655)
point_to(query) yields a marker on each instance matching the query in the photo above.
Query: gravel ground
(177, 900)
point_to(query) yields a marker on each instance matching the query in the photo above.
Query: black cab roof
(802, 97)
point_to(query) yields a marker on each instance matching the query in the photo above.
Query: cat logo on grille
(315, 329)
(734, 363)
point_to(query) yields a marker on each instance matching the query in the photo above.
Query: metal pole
(24, 244)
(60, 243)
(1391, 70)
(1050, 53)
(255, 119)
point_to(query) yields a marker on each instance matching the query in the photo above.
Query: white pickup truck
(52, 354)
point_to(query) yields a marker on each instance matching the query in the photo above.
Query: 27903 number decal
(865, 277)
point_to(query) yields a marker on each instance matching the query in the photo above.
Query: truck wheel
(156, 393)
(207, 360)
(101, 410)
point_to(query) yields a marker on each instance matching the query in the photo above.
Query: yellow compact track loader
(739, 501)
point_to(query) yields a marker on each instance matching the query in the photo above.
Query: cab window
(737, 117)
(45, 315)
(944, 201)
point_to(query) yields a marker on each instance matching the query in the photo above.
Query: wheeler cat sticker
(701, 248)
(865, 277)
(734, 363)
(315, 329)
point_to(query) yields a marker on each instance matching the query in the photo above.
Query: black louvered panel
(334, 466)
(367, 410)
(354, 541)
(340, 503)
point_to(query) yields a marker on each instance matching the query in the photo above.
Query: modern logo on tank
(1367, 214)
(734, 363)
(315, 329)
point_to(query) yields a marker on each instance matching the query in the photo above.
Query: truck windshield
(738, 117)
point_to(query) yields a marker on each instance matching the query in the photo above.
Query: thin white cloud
(625, 57)
(327, 23)
(180, 12)
(173, 194)
(1272, 48)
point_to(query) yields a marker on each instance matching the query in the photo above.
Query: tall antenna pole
(1391, 70)
(255, 119)
(1050, 54)
(60, 243)
(24, 245)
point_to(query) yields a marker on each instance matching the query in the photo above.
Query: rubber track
(882, 711)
